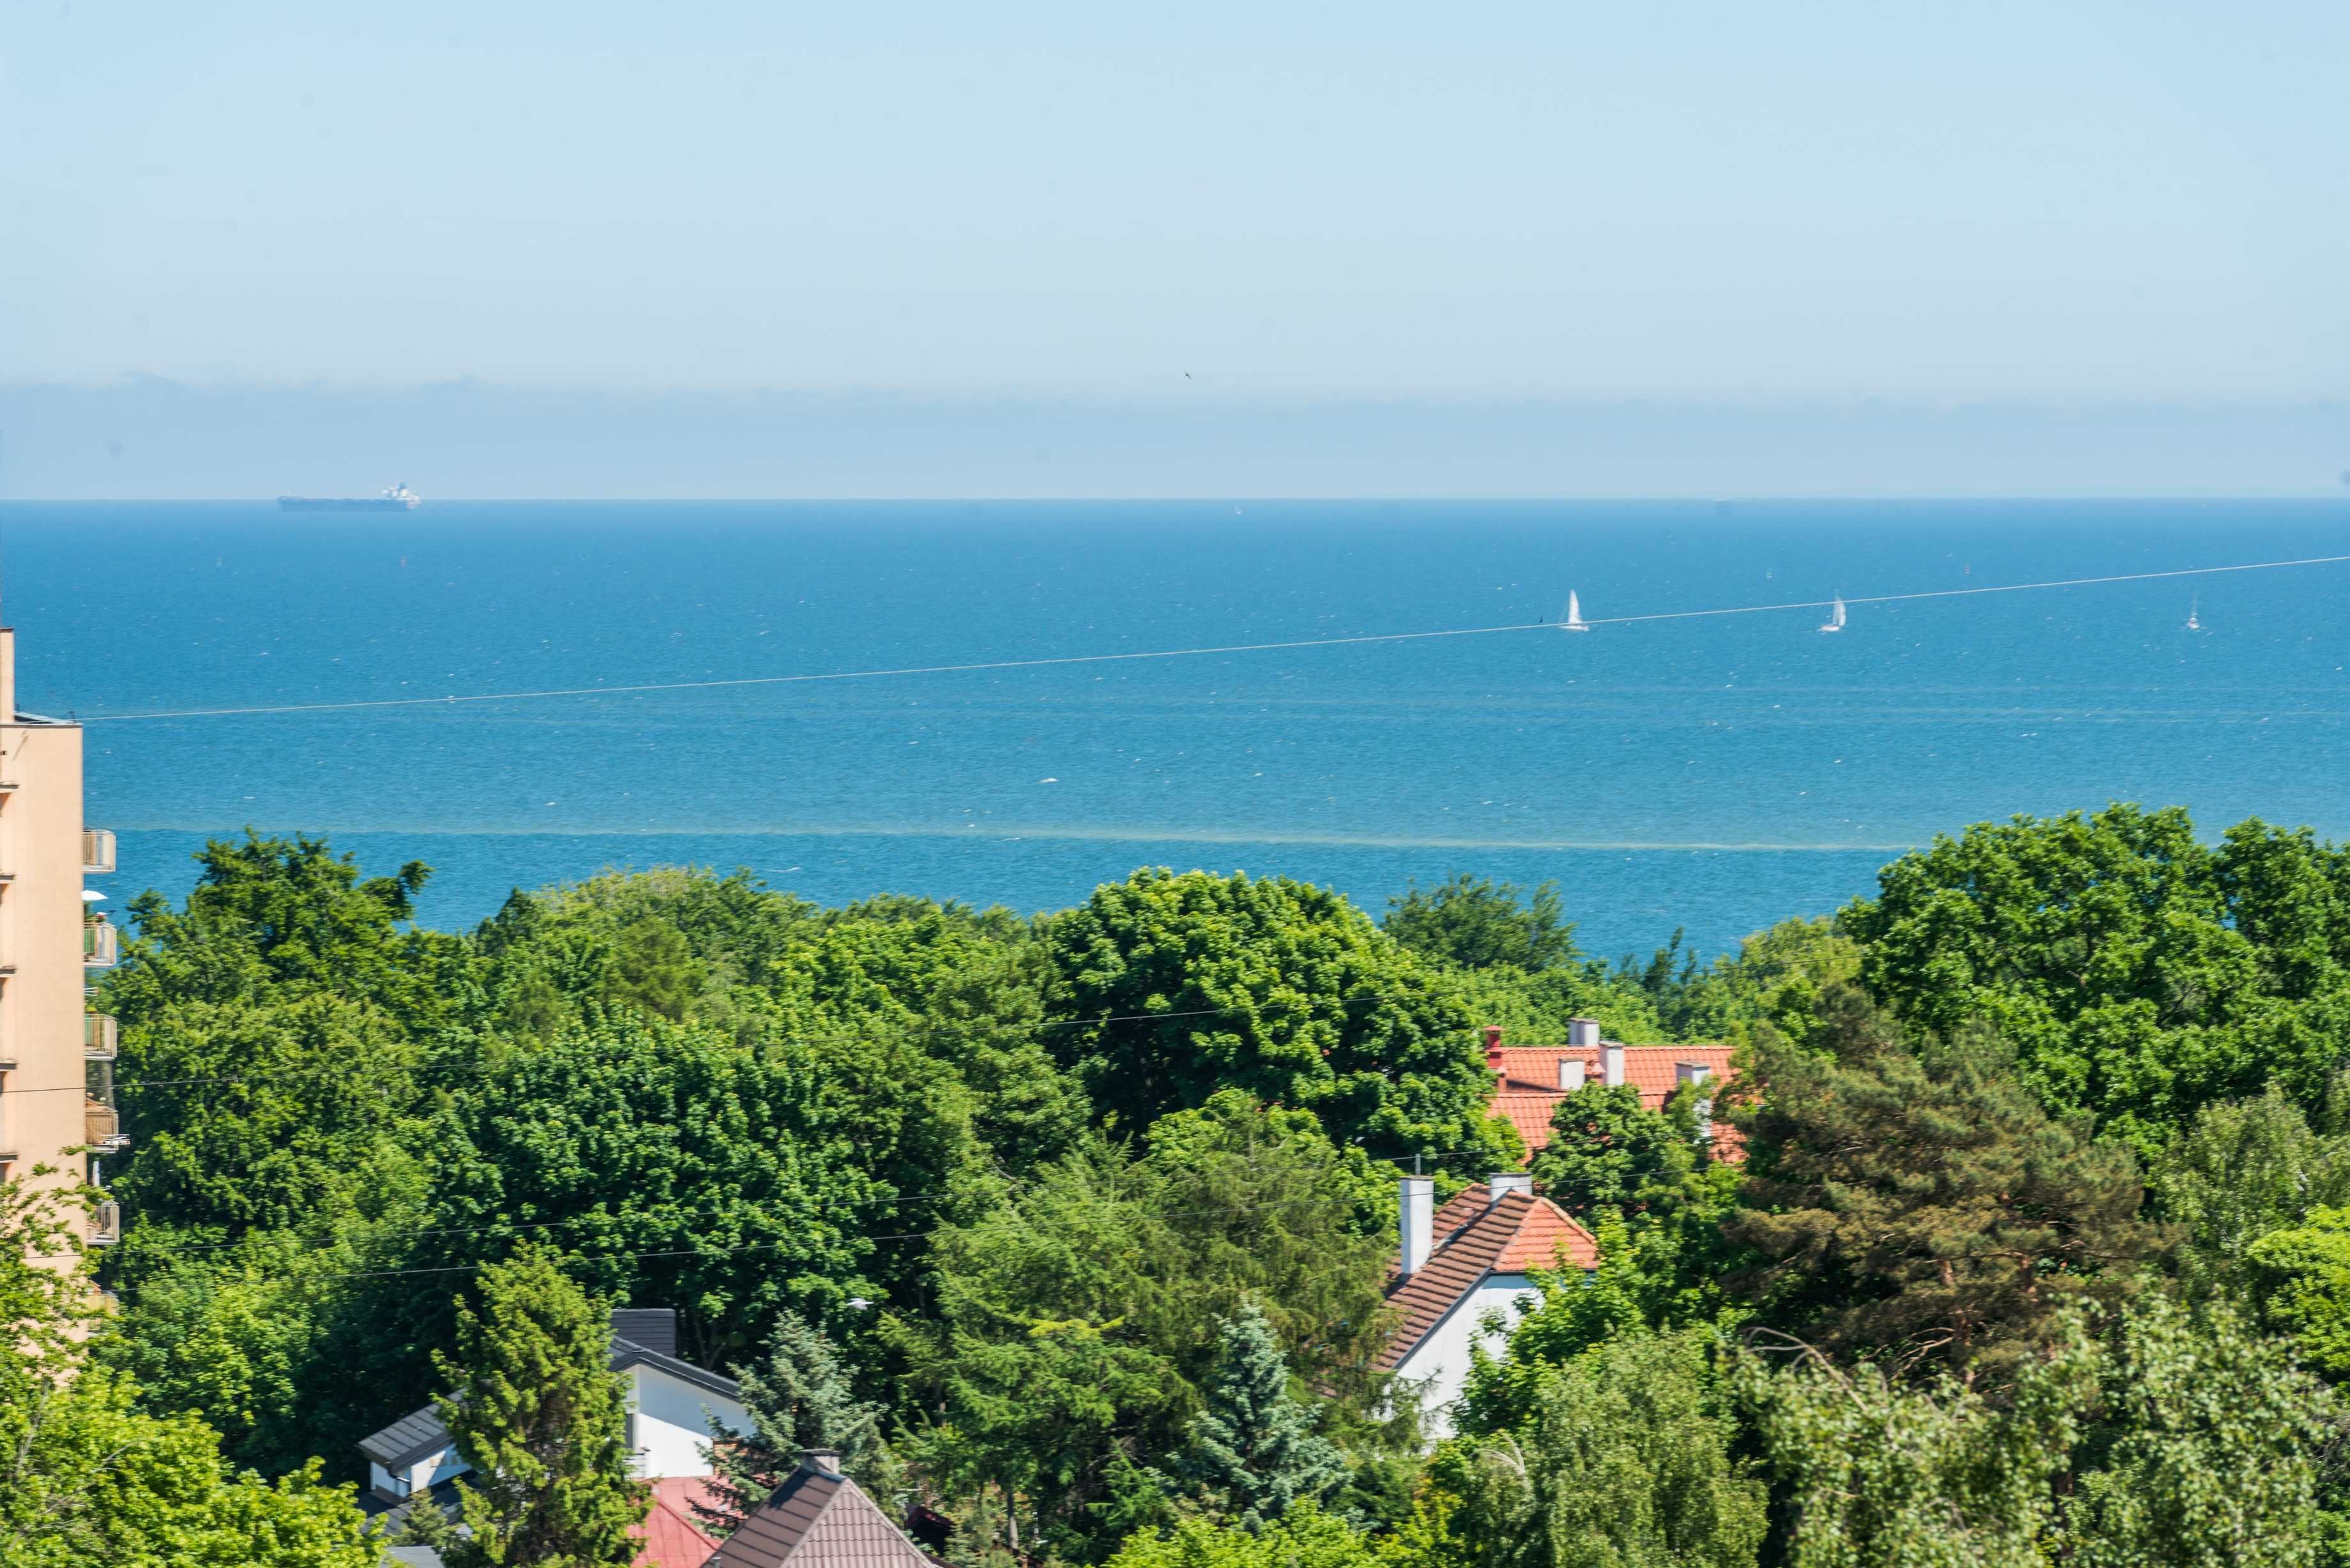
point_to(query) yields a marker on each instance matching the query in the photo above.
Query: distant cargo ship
(398, 498)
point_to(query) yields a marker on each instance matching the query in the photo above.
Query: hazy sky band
(2109, 199)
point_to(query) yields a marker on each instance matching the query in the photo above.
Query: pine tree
(542, 1419)
(1253, 1447)
(1919, 1206)
(800, 1397)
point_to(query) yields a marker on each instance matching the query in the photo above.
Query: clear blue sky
(1679, 200)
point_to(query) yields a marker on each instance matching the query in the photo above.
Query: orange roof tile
(671, 1537)
(1475, 1235)
(1527, 1088)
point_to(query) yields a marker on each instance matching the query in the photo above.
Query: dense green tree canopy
(87, 1478)
(1924, 1207)
(1180, 986)
(1876, 1471)
(1076, 1326)
(286, 918)
(2242, 1169)
(1624, 1456)
(639, 1136)
(2138, 973)
(1308, 1538)
(1077, 1230)
(1607, 1152)
(1481, 924)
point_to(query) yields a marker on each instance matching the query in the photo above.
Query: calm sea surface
(1715, 774)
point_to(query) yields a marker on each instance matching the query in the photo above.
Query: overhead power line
(454, 699)
(919, 1027)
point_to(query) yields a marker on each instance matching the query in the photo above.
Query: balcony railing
(106, 1225)
(100, 1125)
(98, 851)
(98, 949)
(98, 1037)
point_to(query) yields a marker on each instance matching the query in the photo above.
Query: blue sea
(1712, 773)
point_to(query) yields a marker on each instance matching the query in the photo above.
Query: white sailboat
(1836, 617)
(1574, 621)
(2192, 604)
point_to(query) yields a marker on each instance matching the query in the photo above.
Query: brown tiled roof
(1474, 1237)
(818, 1519)
(1526, 1090)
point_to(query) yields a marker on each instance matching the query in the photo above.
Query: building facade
(57, 1057)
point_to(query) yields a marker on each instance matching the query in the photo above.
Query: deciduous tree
(2139, 974)
(1175, 987)
(1623, 1456)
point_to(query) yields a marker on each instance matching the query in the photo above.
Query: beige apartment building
(57, 1057)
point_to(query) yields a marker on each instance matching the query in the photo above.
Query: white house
(670, 1405)
(1463, 1263)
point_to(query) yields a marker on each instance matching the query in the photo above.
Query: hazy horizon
(1704, 205)
(151, 439)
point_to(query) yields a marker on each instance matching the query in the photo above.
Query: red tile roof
(1527, 1088)
(672, 1539)
(1476, 1236)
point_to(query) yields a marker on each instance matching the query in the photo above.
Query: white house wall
(1439, 1363)
(669, 1422)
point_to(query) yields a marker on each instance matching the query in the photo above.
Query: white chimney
(1416, 1220)
(1583, 1033)
(1611, 1064)
(1503, 1182)
(1571, 1070)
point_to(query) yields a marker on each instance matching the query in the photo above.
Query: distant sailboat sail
(2192, 604)
(1836, 617)
(1574, 621)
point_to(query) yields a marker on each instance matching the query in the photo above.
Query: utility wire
(733, 1248)
(443, 701)
(927, 1026)
(180, 1249)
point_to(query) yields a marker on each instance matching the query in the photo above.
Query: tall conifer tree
(542, 1418)
(1254, 1446)
(800, 1397)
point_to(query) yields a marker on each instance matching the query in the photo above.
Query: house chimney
(1611, 1064)
(823, 1461)
(1571, 1072)
(1583, 1033)
(1416, 1220)
(1492, 1033)
(1502, 1183)
(1698, 1073)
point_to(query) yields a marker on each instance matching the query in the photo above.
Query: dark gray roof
(655, 1328)
(817, 1520)
(413, 1437)
(406, 1440)
(628, 1353)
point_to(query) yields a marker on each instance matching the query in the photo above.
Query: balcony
(100, 947)
(96, 851)
(101, 1126)
(98, 1037)
(106, 1225)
